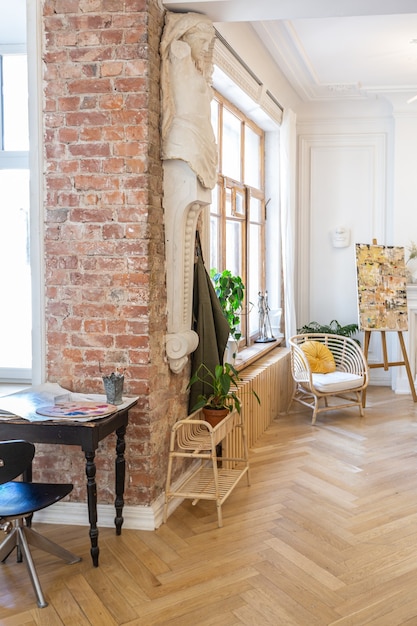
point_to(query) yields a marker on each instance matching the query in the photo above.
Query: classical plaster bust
(187, 134)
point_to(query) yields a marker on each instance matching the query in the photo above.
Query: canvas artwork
(382, 295)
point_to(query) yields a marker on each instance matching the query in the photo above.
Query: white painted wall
(405, 178)
(342, 181)
(360, 171)
(357, 167)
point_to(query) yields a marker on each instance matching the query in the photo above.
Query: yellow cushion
(319, 357)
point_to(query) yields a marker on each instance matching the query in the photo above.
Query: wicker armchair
(340, 389)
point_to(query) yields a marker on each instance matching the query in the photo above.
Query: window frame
(18, 160)
(29, 33)
(225, 183)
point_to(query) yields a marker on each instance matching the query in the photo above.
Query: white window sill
(249, 355)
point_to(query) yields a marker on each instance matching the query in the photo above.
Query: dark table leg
(90, 470)
(120, 471)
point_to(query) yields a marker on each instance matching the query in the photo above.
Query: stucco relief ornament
(186, 72)
(189, 153)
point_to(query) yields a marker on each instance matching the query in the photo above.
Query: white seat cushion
(336, 381)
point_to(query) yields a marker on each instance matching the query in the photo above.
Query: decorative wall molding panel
(342, 180)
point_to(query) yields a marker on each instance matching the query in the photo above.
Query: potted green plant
(334, 328)
(230, 291)
(221, 397)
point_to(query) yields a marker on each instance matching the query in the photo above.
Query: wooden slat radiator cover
(271, 378)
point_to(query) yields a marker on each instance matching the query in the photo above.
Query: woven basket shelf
(197, 434)
(215, 477)
(202, 485)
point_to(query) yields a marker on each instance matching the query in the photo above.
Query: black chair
(19, 500)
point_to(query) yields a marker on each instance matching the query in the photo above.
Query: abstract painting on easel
(382, 295)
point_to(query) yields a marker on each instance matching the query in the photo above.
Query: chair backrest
(346, 352)
(15, 458)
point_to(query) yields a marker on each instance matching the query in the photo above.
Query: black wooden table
(87, 435)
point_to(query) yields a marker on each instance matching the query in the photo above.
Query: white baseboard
(76, 514)
(137, 517)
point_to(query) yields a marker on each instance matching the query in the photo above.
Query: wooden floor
(325, 535)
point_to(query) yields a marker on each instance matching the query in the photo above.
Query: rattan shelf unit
(214, 477)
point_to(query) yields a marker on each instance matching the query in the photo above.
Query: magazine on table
(50, 401)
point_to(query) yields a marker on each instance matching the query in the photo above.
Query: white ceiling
(328, 49)
(331, 49)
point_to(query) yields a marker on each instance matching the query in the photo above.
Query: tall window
(15, 276)
(237, 217)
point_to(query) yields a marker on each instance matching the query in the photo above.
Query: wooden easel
(386, 364)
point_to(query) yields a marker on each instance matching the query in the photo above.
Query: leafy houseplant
(231, 292)
(222, 385)
(334, 328)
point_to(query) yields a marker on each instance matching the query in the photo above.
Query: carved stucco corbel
(184, 198)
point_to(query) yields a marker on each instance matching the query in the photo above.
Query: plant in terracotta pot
(221, 397)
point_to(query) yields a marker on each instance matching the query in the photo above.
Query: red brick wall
(104, 237)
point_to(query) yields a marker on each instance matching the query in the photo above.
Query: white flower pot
(231, 351)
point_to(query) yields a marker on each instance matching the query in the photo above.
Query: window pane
(255, 283)
(15, 277)
(234, 247)
(215, 242)
(228, 202)
(234, 254)
(231, 145)
(15, 102)
(240, 202)
(215, 225)
(252, 158)
(215, 201)
(255, 209)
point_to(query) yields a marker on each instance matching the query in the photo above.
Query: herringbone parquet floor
(326, 535)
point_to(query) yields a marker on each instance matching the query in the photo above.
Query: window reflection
(15, 102)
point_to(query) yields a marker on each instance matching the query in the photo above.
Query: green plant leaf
(231, 293)
(334, 328)
(223, 385)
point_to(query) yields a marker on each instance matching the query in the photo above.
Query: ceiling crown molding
(282, 41)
